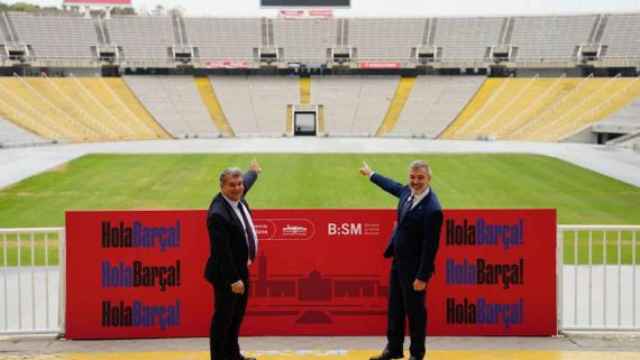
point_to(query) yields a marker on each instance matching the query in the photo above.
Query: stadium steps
(611, 97)
(134, 107)
(78, 109)
(434, 103)
(321, 123)
(540, 95)
(535, 109)
(494, 118)
(589, 101)
(305, 90)
(24, 106)
(549, 104)
(574, 92)
(13, 135)
(69, 104)
(175, 104)
(405, 85)
(289, 125)
(59, 110)
(353, 105)
(626, 120)
(210, 100)
(256, 105)
(134, 123)
(483, 98)
(510, 99)
(74, 88)
(20, 113)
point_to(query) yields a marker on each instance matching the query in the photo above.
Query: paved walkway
(566, 347)
(20, 163)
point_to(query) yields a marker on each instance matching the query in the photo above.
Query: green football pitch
(319, 181)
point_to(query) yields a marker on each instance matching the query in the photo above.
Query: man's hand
(255, 166)
(365, 169)
(237, 287)
(419, 285)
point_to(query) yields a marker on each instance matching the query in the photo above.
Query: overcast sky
(397, 7)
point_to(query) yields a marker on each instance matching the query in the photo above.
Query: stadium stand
(549, 38)
(142, 39)
(130, 107)
(4, 30)
(256, 105)
(10, 44)
(633, 141)
(12, 135)
(540, 109)
(60, 36)
(25, 106)
(466, 39)
(353, 105)
(305, 90)
(627, 119)
(77, 109)
(385, 38)
(473, 41)
(630, 140)
(210, 100)
(434, 103)
(605, 97)
(175, 103)
(621, 36)
(224, 38)
(305, 41)
(405, 86)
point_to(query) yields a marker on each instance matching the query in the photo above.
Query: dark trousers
(405, 302)
(225, 323)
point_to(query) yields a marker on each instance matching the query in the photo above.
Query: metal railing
(597, 277)
(32, 281)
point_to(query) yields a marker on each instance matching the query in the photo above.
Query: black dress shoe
(416, 357)
(388, 355)
(245, 358)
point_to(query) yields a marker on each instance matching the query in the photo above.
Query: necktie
(251, 241)
(406, 207)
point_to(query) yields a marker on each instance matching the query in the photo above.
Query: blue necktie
(251, 241)
(406, 207)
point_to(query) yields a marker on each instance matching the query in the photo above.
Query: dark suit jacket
(229, 252)
(414, 242)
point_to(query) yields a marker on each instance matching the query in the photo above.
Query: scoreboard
(305, 3)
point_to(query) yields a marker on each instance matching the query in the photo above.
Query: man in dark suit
(413, 247)
(234, 245)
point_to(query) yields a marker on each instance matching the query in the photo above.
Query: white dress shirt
(234, 206)
(418, 198)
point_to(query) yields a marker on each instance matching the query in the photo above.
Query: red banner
(291, 14)
(301, 14)
(320, 13)
(228, 64)
(379, 65)
(133, 274)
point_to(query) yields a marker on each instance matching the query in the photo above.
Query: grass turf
(320, 181)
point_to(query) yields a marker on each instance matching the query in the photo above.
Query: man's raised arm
(392, 187)
(251, 175)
